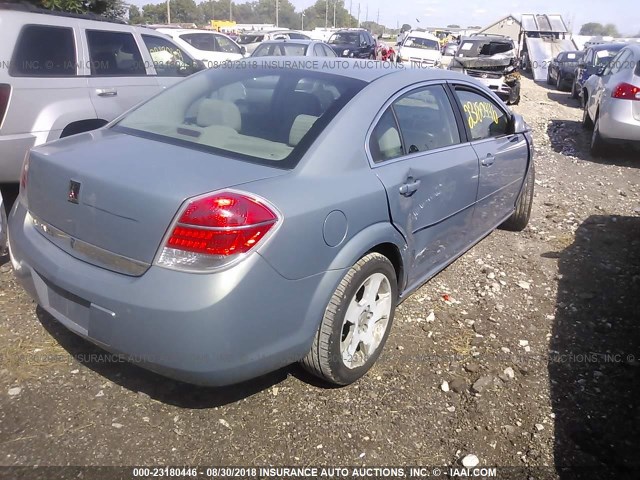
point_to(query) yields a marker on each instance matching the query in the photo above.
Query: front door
(503, 157)
(430, 176)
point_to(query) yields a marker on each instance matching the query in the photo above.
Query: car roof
(188, 30)
(301, 41)
(607, 46)
(421, 34)
(360, 69)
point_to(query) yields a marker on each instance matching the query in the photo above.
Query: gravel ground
(530, 358)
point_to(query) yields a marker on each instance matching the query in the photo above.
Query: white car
(420, 49)
(213, 48)
(68, 74)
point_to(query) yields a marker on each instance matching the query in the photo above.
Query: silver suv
(62, 74)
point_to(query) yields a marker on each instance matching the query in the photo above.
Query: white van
(62, 74)
(420, 49)
(212, 48)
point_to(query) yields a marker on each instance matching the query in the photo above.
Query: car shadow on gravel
(158, 387)
(563, 98)
(594, 359)
(570, 138)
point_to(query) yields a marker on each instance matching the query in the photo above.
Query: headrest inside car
(301, 125)
(218, 112)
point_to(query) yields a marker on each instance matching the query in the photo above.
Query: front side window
(483, 117)
(266, 116)
(168, 59)
(328, 51)
(43, 51)
(114, 53)
(200, 41)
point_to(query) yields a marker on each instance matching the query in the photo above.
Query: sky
(434, 13)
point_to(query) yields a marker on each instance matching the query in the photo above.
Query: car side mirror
(243, 50)
(517, 124)
(581, 64)
(600, 70)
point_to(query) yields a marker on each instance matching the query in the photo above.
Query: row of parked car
(606, 80)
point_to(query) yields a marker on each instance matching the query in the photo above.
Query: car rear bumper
(208, 329)
(617, 122)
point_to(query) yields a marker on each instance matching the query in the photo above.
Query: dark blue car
(595, 57)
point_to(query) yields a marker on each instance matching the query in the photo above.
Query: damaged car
(493, 60)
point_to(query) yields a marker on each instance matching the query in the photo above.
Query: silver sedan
(293, 48)
(612, 109)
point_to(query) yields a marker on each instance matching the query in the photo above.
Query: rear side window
(426, 119)
(223, 44)
(114, 53)
(483, 117)
(44, 51)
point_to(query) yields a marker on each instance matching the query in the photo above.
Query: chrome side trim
(87, 252)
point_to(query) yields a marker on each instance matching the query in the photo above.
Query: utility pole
(213, 13)
(302, 15)
(378, 19)
(358, 15)
(335, 2)
(230, 11)
(367, 15)
(277, 11)
(168, 12)
(350, 10)
(326, 14)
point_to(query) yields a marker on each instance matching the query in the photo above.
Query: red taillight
(5, 93)
(215, 230)
(626, 91)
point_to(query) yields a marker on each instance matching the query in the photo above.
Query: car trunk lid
(119, 193)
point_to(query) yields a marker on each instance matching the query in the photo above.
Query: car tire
(519, 219)
(337, 355)
(598, 145)
(559, 82)
(514, 96)
(549, 82)
(586, 119)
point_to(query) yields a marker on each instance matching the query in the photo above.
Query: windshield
(423, 43)
(249, 38)
(263, 115)
(345, 37)
(603, 57)
(570, 57)
(484, 48)
(280, 49)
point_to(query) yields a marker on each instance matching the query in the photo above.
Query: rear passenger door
(119, 76)
(503, 156)
(430, 175)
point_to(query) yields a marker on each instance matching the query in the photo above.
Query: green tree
(320, 14)
(405, 27)
(106, 8)
(595, 28)
(135, 16)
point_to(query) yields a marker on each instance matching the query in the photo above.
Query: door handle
(409, 188)
(488, 160)
(106, 92)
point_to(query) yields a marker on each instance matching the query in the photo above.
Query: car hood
(130, 187)
(343, 46)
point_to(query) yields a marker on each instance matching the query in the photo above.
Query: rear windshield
(603, 57)
(280, 49)
(483, 48)
(345, 37)
(423, 43)
(247, 38)
(262, 115)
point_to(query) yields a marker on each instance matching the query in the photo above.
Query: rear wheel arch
(81, 126)
(392, 252)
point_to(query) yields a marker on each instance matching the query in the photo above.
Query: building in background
(508, 26)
